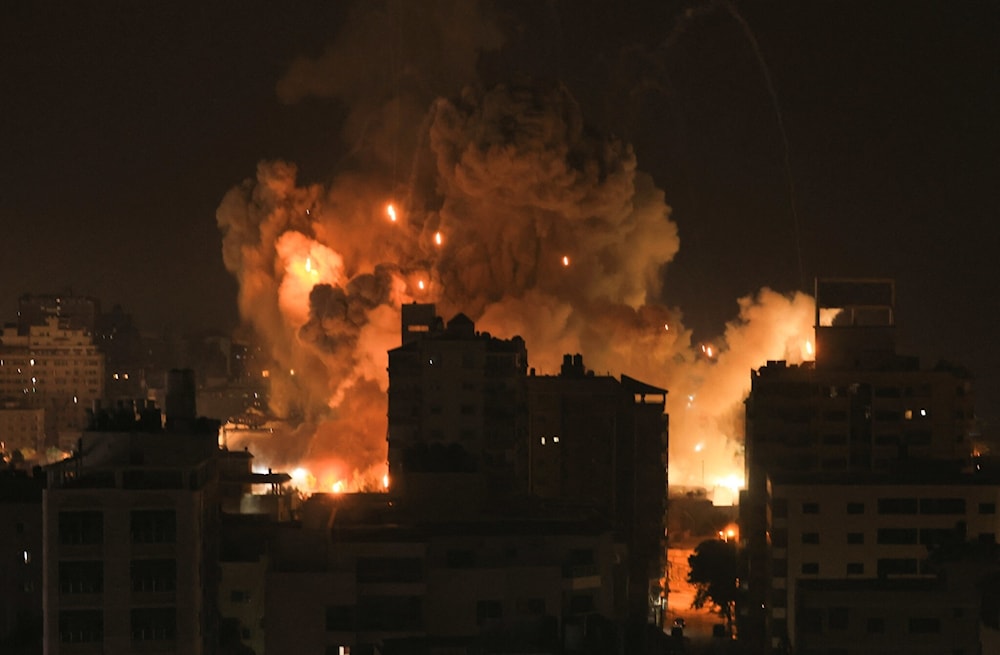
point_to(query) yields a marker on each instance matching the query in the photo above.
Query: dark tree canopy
(715, 572)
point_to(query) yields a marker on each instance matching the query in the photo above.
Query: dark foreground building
(858, 465)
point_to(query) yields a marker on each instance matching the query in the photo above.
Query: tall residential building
(595, 439)
(74, 312)
(131, 533)
(52, 367)
(464, 419)
(859, 561)
(20, 562)
(456, 402)
(858, 409)
(361, 573)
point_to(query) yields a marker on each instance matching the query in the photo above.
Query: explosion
(514, 179)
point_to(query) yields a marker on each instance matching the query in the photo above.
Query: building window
(154, 624)
(897, 536)
(81, 626)
(810, 568)
(838, 618)
(924, 625)
(402, 613)
(779, 508)
(340, 618)
(153, 575)
(488, 610)
(855, 508)
(239, 596)
(855, 568)
(897, 505)
(855, 538)
(81, 528)
(810, 537)
(937, 536)
(987, 508)
(581, 604)
(942, 506)
(156, 526)
(896, 566)
(81, 577)
(530, 606)
(390, 569)
(810, 621)
(460, 558)
(875, 625)
(810, 508)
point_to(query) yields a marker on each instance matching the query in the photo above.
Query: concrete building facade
(130, 532)
(56, 368)
(860, 411)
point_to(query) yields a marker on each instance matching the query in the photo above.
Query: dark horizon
(125, 127)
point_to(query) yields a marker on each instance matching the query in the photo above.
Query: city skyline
(126, 130)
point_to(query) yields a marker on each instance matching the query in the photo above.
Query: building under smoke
(861, 412)
(462, 411)
(131, 534)
(456, 404)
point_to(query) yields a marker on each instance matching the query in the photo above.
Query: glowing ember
(309, 266)
(338, 487)
(565, 260)
(385, 481)
(699, 447)
(666, 327)
(809, 348)
(437, 238)
(708, 351)
(391, 211)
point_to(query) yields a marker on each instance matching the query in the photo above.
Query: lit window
(923, 412)
(555, 439)
(27, 556)
(543, 441)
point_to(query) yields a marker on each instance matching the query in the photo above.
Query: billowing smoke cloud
(511, 211)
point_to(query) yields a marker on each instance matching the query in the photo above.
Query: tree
(714, 570)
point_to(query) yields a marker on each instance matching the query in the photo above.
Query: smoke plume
(504, 206)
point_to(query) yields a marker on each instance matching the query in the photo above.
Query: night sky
(123, 125)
